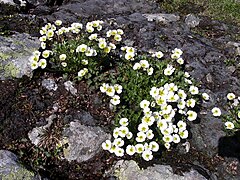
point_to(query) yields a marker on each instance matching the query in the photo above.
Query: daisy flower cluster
(118, 146)
(112, 91)
(143, 64)
(170, 100)
(130, 52)
(164, 117)
(157, 54)
(232, 118)
(116, 34)
(176, 54)
(88, 44)
(38, 59)
(162, 99)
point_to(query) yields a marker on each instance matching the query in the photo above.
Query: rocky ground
(47, 108)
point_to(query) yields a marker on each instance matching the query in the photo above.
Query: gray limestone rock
(128, 170)
(50, 84)
(235, 46)
(84, 141)
(14, 54)
(10, 2)
(192, 21)
(11, 169)
(164, 18)
(69, 87)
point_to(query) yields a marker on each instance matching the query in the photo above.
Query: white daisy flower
(139, 148)
(115, 100)
(169, 70)
(205, 96)
(168, 138)
(162, 125)
(176, 138)
(193, 90)
(129, 135)
(144, 104)
(107, 145)
(158, 54)
(181, 125)
(116, 133)
(144, 64)
(34, 65)
(154, 146)
(149, 134)
(119, 152)
(123, 122)
(58, 22)
(216, 111)
(183, 134)
(130, 150)
(141, 136)
(229, 125)
(123, 131)
(84, 62)
(118, 88)
(46, 53)
(150, 71)
(82, 48)
(192, 115)
(143, 127)
(231, 96)
(42, 63)
(136, 66)
(191, 103)
(167, 145)
(180, 61)
(118, 142)
(62, 57)
(118, 37)
(147, 155)
(104, 87)
(110, 91)
(64, 64)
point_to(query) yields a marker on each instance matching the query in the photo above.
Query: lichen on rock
(15, 52)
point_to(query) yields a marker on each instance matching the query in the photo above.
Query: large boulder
(127, 170)
(15, 52)
(84, 142)
(11, 169)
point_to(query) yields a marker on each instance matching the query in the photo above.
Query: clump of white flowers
(144, 64)
(101, 43)
(38, 59)
(130, 52)
(113, 91)
(158, 54)
(159, 112)
(232, 118)
(168, 106)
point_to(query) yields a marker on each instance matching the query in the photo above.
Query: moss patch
(225, 10)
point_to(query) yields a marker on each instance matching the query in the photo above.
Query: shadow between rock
(230, 146)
